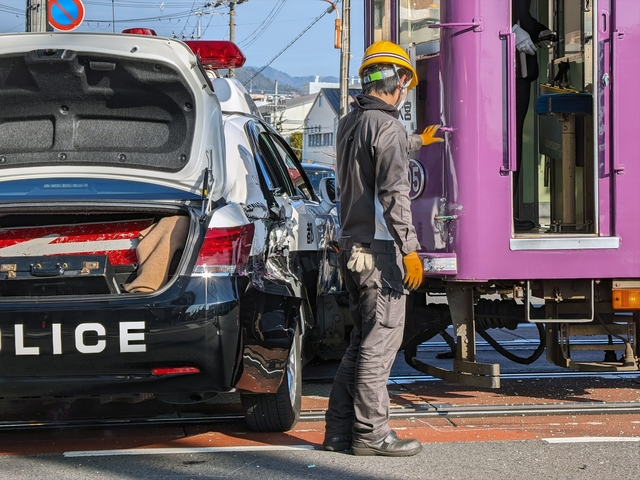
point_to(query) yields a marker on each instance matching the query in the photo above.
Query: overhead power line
(8, 9)
(317, 19)
(253, 36)
(188, 18)
(146, 19)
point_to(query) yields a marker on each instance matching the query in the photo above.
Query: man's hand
(427, 136)
(523, 41)
(413, 268)
(547, 38)
(361, 259)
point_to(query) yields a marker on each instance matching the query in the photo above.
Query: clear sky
(263, 27)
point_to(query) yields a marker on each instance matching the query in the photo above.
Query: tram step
(601, 366)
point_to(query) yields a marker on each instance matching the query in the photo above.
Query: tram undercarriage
(571, 316)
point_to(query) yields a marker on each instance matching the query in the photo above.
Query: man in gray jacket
(378, 252)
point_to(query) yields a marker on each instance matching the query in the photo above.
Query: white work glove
(361, 259)
(523, 41)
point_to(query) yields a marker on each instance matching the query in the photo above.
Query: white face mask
(402, 99)
(403, 92)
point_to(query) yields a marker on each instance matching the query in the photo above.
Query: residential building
(321, 125)
(317, 85)
(290, 118)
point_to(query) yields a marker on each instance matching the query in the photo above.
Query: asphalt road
(529, 460)
(500, 445)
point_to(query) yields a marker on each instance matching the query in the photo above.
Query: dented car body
(153, 239)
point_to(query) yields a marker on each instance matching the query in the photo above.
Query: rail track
(178, 418)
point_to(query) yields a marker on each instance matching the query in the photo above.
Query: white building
(317, 85)
(320, 127)
(287, 115)
(291, 118)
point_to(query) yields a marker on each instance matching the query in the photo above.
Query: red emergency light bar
(140, 31)
(217, 53)
(211, 53)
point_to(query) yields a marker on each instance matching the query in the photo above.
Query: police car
(157, 237)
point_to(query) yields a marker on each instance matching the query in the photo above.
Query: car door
(309, 227)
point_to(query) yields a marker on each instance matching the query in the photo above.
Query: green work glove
(427, 136)
(413, 270)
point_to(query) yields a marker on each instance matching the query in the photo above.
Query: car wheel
(280, 411)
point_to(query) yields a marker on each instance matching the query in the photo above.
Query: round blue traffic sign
(65, 14)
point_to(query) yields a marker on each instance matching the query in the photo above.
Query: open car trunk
(94, 252)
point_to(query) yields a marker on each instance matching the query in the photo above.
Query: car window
(294, 170)
(279, 163)
(266, 159)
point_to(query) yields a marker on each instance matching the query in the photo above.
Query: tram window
(415, 18)
(381, 19)
(574, 24)
(570, 27)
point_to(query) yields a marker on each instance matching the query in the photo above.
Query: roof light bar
(140, 31)
(217, 53)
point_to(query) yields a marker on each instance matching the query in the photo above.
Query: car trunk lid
(117, 106)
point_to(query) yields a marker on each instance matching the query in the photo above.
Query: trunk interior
(79, 253)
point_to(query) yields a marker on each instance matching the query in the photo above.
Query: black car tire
(280, 411)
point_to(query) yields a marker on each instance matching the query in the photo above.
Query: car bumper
(79, 347)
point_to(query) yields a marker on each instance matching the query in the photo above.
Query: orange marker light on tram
(625, 299)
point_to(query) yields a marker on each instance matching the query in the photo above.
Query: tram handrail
(510, 78)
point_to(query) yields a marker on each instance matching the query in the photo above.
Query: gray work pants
(359, 400)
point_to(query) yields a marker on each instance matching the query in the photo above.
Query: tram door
(557, 186)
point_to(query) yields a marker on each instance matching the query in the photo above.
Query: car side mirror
(328, 195)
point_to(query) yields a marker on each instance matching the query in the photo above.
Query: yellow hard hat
(388, 52)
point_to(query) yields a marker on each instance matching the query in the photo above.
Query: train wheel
(280, 411)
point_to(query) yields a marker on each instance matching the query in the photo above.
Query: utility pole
(232, 31)
(37, 16)
(198, 27)
(232, 27)
(345, 55)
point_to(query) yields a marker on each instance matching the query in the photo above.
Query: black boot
(390, 446)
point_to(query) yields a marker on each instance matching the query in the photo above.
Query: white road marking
(591, 439)
(167, 451)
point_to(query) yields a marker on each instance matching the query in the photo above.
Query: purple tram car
(550, 238)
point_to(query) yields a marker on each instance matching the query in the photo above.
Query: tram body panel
(580, 180)
(474, 112)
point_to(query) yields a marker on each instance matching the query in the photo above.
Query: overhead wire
(138, 4)
(316, 20)
(208, 23)
(146, 19)
(260, 29)
(188, 18)
(9, 9)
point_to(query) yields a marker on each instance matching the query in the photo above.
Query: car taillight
(225, 250)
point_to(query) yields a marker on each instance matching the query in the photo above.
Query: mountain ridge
(264, 82)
